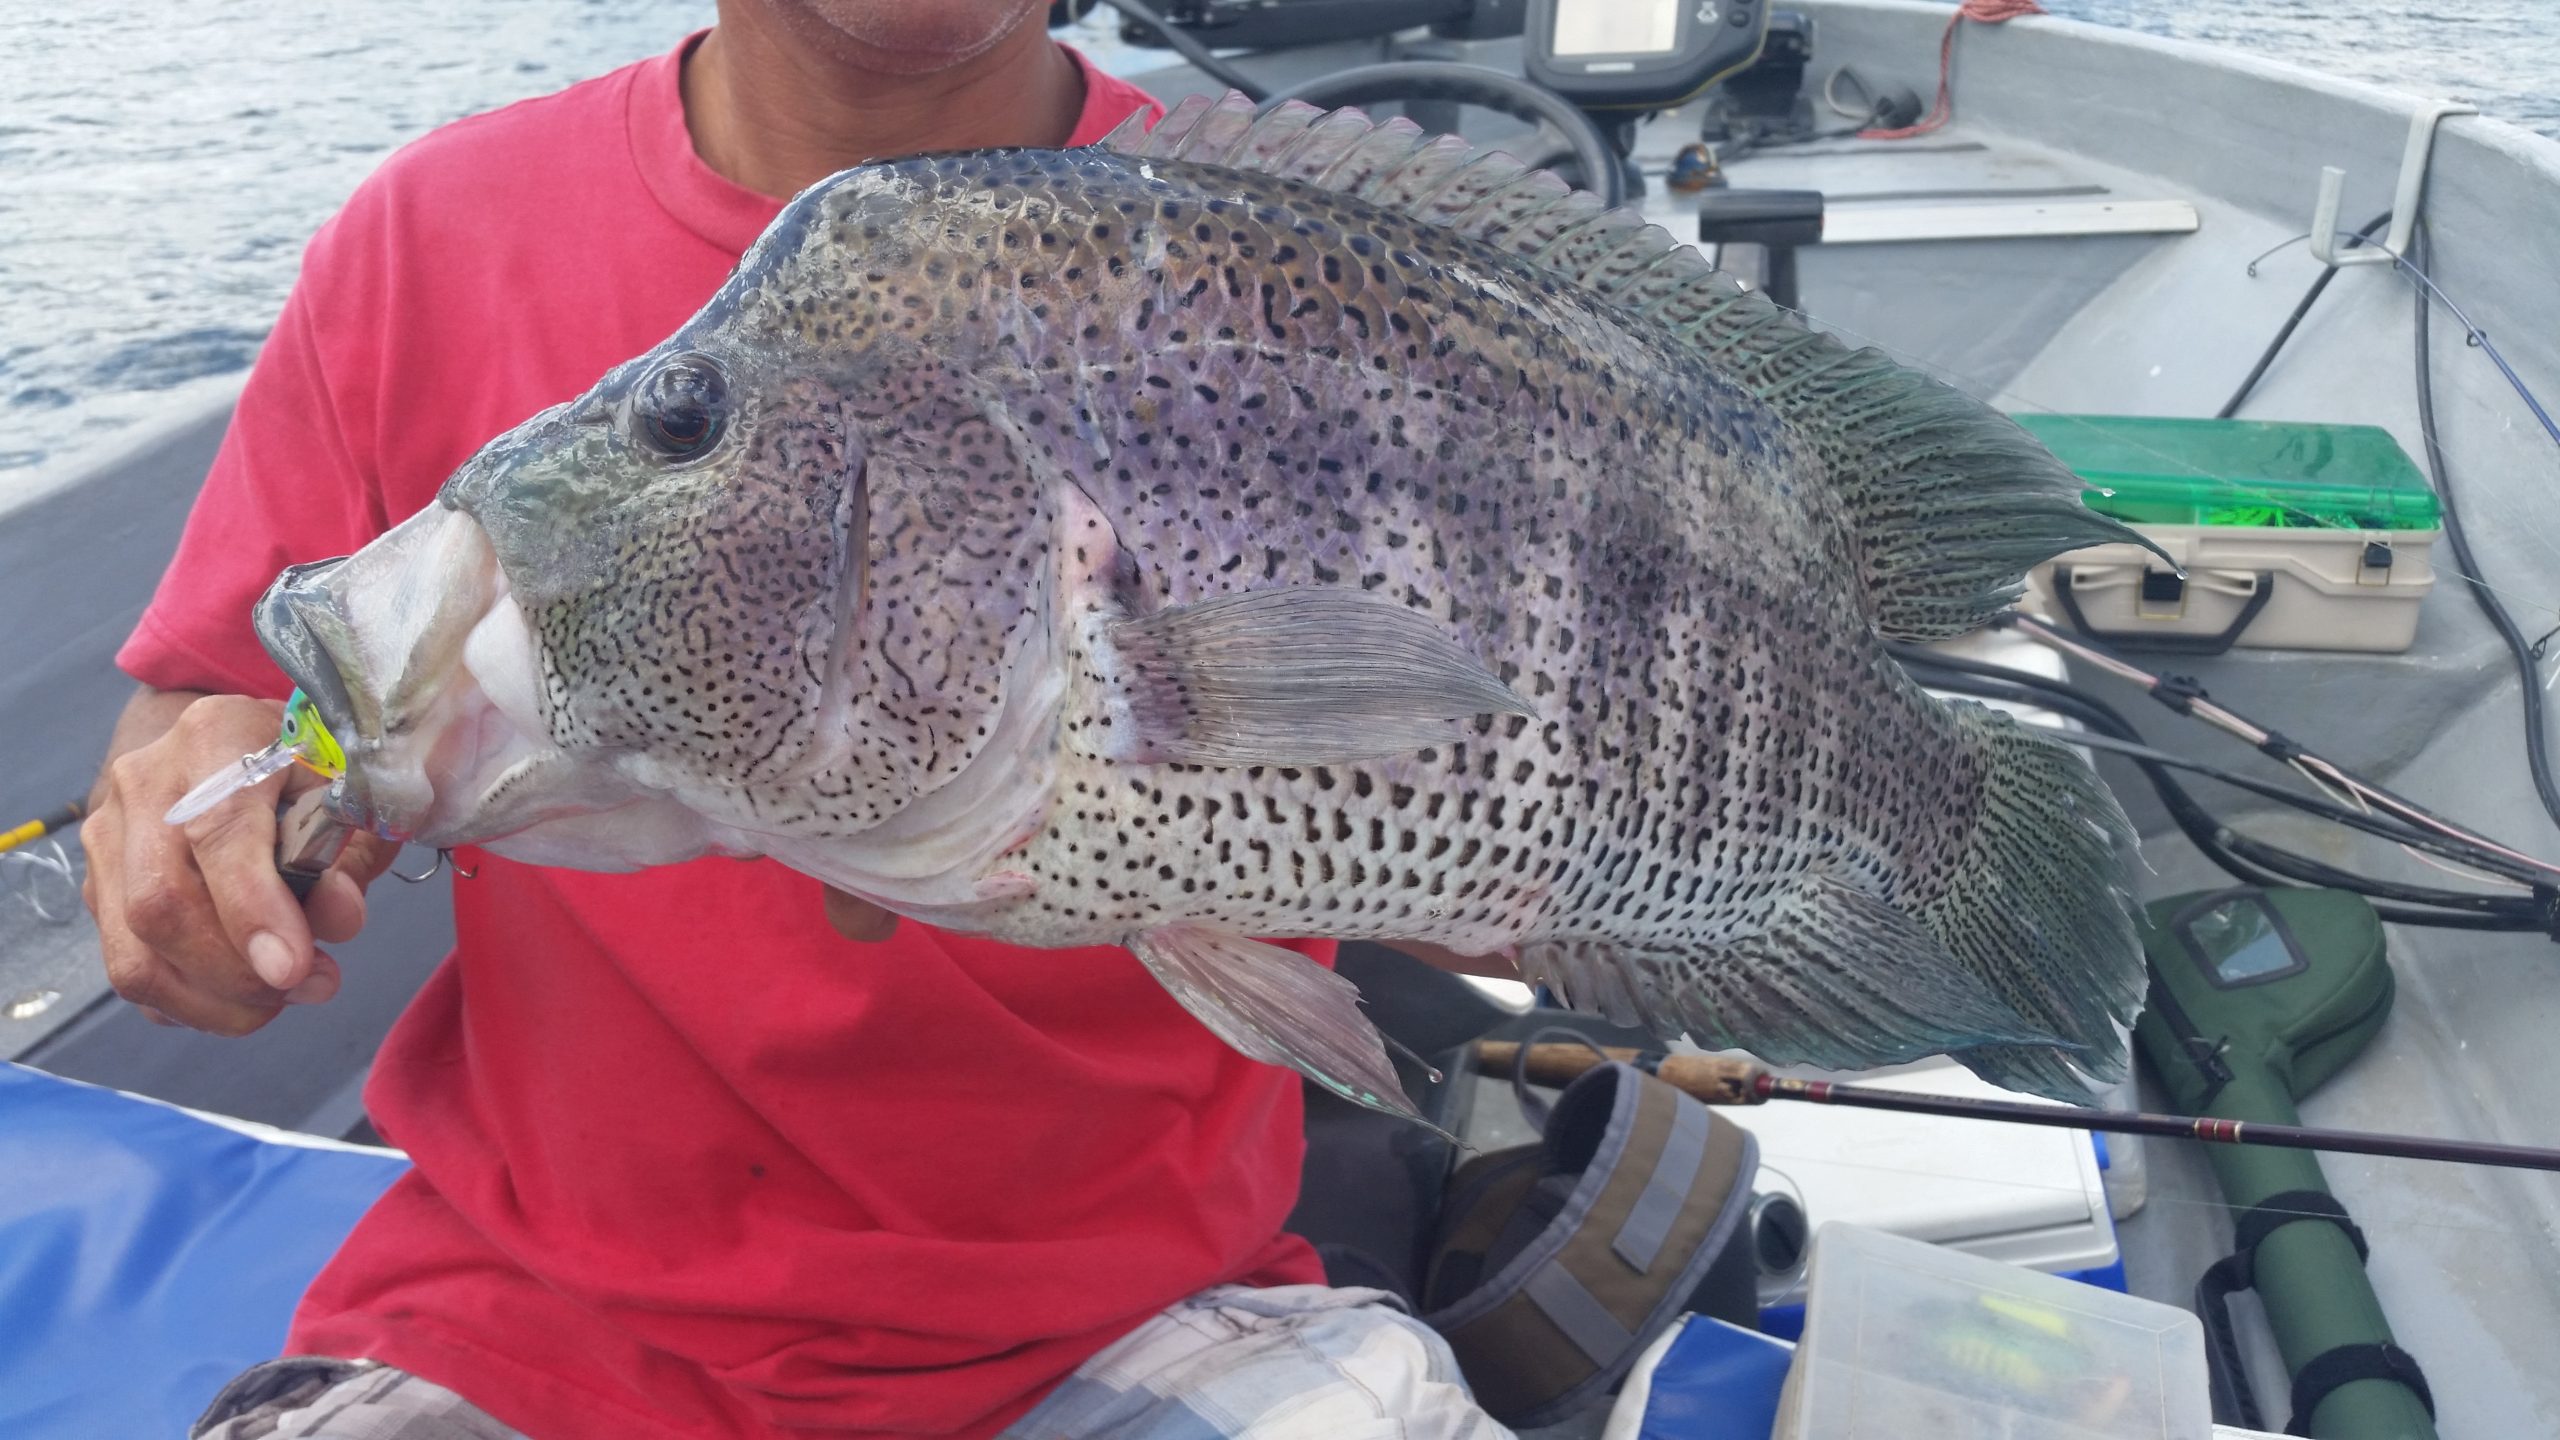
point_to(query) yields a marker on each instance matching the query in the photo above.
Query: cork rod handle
(1709, 1078)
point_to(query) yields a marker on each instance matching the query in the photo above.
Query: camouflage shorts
(305, 1397)
(1300, 1362)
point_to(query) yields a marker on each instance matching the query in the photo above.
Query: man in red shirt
(688, 1164)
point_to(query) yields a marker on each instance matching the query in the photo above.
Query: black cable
(2175, 692)
(2380, 826)
(1603, 169)
(2301, 308)
(2210, 833)
(2245, 859)
(2537, 752)
(1183, 43)
(2255, 862)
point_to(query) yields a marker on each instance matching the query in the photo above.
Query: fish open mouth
(422, 664)
(377, 640)
(296, 647)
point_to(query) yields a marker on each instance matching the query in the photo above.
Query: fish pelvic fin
(1836, 977)
(1276, 1006)
(1949, 502)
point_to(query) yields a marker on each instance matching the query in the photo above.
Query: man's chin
(916, 37)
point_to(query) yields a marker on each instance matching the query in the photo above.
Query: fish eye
(682, 406)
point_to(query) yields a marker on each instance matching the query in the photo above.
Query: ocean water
(163, 161)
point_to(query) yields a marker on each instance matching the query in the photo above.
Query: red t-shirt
(688, 1164)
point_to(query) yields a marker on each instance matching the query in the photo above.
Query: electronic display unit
(1639, 54)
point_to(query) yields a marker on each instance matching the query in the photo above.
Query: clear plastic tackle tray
(1904, 1339)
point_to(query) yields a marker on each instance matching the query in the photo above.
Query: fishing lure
(303, 740)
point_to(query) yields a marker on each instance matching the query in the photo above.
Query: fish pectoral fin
(1307, 675)
(1276, 1006)
(1838, 978)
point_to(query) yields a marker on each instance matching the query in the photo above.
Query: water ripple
(158, 202)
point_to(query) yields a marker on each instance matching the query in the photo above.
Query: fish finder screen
(2241, 942)
(1617, 27)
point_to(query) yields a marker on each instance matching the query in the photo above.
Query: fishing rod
(1717, 1080)
(43, 825)
(2186, 698)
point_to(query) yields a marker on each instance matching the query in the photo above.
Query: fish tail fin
(2036, 907)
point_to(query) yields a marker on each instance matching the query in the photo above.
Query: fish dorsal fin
(1950, 503)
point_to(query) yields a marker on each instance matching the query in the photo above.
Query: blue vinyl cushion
(1716, 1382)
(147, 1255)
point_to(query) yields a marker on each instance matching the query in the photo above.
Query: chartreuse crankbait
(303, 740)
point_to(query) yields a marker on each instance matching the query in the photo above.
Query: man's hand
(858, 919)
(196, 925)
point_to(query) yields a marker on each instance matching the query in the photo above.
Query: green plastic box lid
(2163, 470)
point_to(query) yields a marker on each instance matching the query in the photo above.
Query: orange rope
(1983, 12)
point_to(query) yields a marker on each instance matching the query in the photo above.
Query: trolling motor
(2258, 997)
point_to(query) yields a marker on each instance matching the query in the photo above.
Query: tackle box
(1904, 1339)
(2293, 536)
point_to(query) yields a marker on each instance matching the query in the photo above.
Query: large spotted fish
(1271, 527)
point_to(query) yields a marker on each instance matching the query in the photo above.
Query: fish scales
(1428, 418)
(1109, 546)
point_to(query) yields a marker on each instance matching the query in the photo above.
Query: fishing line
(38, 861)
(2537, 752)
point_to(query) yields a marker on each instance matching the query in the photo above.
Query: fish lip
(283, 624)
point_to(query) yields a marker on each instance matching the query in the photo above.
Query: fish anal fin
(1276, 1006)
(2038, 906)
(1836, 978)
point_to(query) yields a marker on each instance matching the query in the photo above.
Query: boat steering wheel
(1602, 171)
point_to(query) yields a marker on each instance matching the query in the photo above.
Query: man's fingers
(335, 907)
(858, 919)
(168, 997)
(188, 915)
(235, 851)
(158, 898)
(319, 986)
(367, 855)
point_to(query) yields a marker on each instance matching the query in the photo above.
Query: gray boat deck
(2151, 321)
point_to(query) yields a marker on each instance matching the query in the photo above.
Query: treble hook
(444, 860)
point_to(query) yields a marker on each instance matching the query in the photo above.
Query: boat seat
(148, 1254)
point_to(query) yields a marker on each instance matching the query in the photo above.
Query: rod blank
(1720, 1081)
